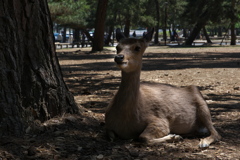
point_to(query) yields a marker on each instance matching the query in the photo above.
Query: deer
(154, 113)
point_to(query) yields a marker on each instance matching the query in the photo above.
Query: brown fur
(153, 113)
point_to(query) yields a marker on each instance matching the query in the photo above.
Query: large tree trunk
(99, 26)
(31, 83)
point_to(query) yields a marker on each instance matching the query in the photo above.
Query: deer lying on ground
(153, 113)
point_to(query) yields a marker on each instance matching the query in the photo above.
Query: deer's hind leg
(158, 132)
(204, 118)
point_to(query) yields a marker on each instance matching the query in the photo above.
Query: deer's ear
(149, 35)
(119, 35)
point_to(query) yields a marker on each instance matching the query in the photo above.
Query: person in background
(59, 37)
(134, 34)
(83, 39)
(70, 39)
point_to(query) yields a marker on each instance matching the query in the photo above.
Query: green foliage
(175, 10)
(203, 11)
(72, 13)
(232, 10)
(142, 13)
(133, 10)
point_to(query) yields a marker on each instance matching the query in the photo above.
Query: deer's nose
(119, 58)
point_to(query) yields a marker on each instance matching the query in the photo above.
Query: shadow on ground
(158, 61)
(83, 137)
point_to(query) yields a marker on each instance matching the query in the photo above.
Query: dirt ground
(93, 79)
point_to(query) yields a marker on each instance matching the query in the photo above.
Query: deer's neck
(129, 87)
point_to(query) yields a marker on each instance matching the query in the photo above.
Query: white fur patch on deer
(153, 113)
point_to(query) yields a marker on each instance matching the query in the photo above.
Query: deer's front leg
(157, 132)
(111, 135)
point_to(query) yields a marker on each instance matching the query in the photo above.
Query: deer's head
(130, 51)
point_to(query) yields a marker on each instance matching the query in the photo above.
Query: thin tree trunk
(233, 35)
(127, 27)
(111, 30)
(156, 37)
(90, 38)
(64, 33)
(165, 36)
(215, 31)
(185, 33)
(196, 30)
(237, 31)
(165, 25)
(206, 35)
(170, 33)
(219, 31)
(99, 26)
(32, 86)
(76, 37)
(203, 18)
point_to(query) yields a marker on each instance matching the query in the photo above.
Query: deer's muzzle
(119, 59)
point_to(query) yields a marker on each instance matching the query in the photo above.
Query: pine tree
(31, 83)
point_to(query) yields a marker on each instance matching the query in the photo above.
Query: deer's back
(177, 105)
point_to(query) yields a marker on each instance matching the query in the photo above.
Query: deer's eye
(137, 48)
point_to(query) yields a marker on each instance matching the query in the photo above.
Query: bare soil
(93, 79)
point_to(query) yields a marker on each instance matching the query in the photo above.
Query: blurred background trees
(188, 19)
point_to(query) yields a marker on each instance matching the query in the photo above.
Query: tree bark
(31, 83)
(99, 26)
